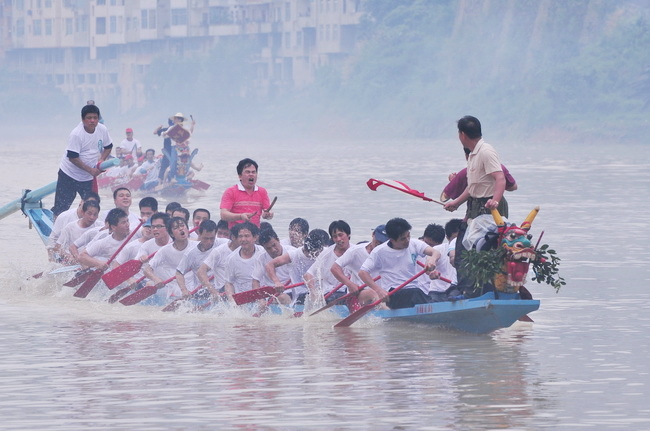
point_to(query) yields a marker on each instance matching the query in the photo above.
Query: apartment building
(101, 49)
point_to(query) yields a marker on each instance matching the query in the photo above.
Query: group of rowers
(148, 170)
(184, 254)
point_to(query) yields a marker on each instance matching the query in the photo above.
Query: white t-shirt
(89, 236)
(299, 265)
(62, 220)
(239, 271)
(216, 261)
(129, 252)
(152, 169)
(321, 270)
(134, 221)
(396, 266)
(104, 248)
(191, 263)
(443, 265)
(164, 265)
(72, 231)
(131, 147)
(89, 146)
(352, 260)
(283, 272)
(150, 246)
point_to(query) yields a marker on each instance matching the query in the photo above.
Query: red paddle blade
(199, 185)
(135, 182)
(89, 284)
(119, 294)
(353, 317)
(139, 295)
(173, 306)
(253, 295)
(79, 278)
(122, 273)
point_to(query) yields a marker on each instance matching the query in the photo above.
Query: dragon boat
(483, 314)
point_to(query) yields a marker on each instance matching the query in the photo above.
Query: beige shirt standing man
(485, 179)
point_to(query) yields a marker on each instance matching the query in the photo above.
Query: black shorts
(407, 298)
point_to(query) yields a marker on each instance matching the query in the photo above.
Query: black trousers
(66, 191)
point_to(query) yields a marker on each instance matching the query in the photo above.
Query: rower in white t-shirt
(396, 262)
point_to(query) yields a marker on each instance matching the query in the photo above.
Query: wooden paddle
(272, 203)
(96, 274)
(79, 277)
(58, 270)
(119, 275)
(333, 302)
(120, 293)
(199, 185)
(261, 293)
(145, 292)
(331, 292)
(398, 185)
(353, 317)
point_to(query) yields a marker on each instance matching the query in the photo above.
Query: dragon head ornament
(515, 240)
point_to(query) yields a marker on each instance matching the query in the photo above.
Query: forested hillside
(524, 66)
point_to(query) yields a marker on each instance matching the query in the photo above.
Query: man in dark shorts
(89, 144)
(396, 262)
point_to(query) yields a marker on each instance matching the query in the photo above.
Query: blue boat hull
(480, 315)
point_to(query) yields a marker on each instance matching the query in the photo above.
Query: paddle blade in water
(139, 295)
(353, 317)
(253, 295)
(122, 273)
(119, 294)
(79, 278)
(89, 284)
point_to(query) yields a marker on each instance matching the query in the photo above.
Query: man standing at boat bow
(88, 145)
(485, 179)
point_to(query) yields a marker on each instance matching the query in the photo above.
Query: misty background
(569, 70)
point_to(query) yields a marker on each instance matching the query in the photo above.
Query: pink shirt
(237, 200)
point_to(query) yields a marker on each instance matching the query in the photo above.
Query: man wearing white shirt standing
(88, 145)
(130, 146)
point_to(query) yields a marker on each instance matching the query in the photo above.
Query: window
(48, 27)
(20, 27)
(68, 26)
(287, 40)
(37, 27)
(81, 78)
(48, 3)
(148, 18)
(100, 25)
(113, 24)
(179, 16)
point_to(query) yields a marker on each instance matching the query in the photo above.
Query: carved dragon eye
(529, 236)
(512, 236)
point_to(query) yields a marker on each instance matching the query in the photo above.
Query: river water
(71, 364)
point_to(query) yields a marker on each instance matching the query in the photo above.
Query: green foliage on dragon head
(507, 265)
